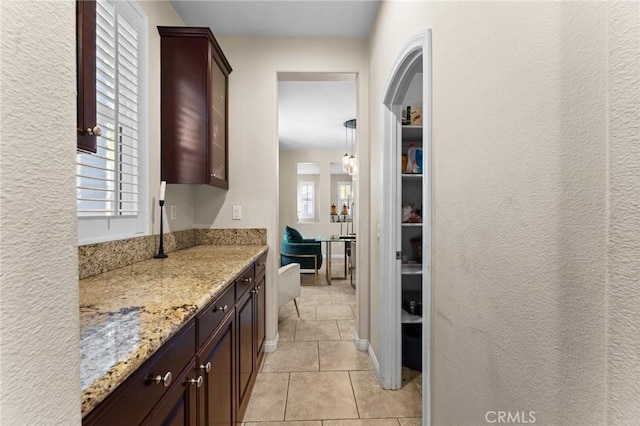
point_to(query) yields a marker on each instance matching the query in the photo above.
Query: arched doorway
(414, 60)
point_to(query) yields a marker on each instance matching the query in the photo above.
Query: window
(110, 184)
(306, 201)
(344, 196)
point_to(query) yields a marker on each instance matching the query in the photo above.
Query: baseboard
(374, 361)
(361, 344)
(271, 345)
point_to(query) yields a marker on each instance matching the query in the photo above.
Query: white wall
(253, 141)
(519, 160)
(39, 328)
(182, 196)
(623, 260)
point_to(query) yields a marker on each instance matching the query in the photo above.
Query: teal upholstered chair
(296, 249)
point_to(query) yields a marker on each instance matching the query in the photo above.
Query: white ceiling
(311, 114)
(270, 18)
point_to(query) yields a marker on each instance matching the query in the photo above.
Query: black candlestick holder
(161, 254)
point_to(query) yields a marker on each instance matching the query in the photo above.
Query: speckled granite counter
(128, 313)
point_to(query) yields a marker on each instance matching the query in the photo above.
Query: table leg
(329, 262)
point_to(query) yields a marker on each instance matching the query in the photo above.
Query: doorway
(403, 222)
(317, 193)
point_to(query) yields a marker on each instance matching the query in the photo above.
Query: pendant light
(349, 162)
(345, 158)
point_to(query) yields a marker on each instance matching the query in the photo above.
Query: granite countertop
(128, 313)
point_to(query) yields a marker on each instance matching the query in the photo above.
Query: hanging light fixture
(349, 162)
(345, 158)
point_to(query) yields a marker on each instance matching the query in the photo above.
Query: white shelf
(412, 134)
(412, 176)
(407, 318)
(412, 269)
(412, 224)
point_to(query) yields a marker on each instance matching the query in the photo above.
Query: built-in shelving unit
(411, 271)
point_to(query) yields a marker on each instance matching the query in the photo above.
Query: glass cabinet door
(218, 144)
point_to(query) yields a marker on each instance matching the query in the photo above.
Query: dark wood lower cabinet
(246, 354)
(260, 308)
(178, 406)
(216, 400)
(209, 366)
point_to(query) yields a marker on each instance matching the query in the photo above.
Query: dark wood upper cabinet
(86, 74)
(194, 103)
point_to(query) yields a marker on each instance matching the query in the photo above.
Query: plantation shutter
(108, 181)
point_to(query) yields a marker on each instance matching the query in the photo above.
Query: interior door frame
(415, 55)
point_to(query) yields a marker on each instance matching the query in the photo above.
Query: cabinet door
(183, 110)
(218, 122)
(86, 73)
(246, 352)
(260, 314)
(216, 398)
(178, 406)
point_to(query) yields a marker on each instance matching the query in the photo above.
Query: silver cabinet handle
(247, 280)
(95, 131)
(218, 308)
(197, 382)
(165, 381)
(206, 367)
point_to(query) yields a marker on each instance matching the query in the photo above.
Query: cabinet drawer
(211, 316)
(133, 400)
(260, 264)
(245, 282)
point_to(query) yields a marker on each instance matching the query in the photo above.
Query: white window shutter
(108, 182)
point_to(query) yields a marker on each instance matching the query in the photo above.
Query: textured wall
(519, 135)
(253, 141)
(39, 330)
(623, 341)
(162, 13)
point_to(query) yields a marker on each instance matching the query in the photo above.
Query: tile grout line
(286, 397)
(353, 391)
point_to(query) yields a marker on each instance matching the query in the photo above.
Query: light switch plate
(236, 213)
(173, 212)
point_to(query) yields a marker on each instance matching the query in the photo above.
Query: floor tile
(302, 423)
(335, 288)
(342, 355)
(416, 421)
(349, 289)
(343, 298)
(315, 299)
(268, 398)
(307, 290)
(375, 402)
(292, 356)
(287, 330)
(288, 311)
(320, 395)
(334, 312)
(317, 330)
(364, 422)
(347, 328)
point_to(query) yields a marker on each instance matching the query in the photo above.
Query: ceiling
(312, 112)
(270, 18)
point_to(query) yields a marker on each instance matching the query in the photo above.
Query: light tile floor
(318, 377)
